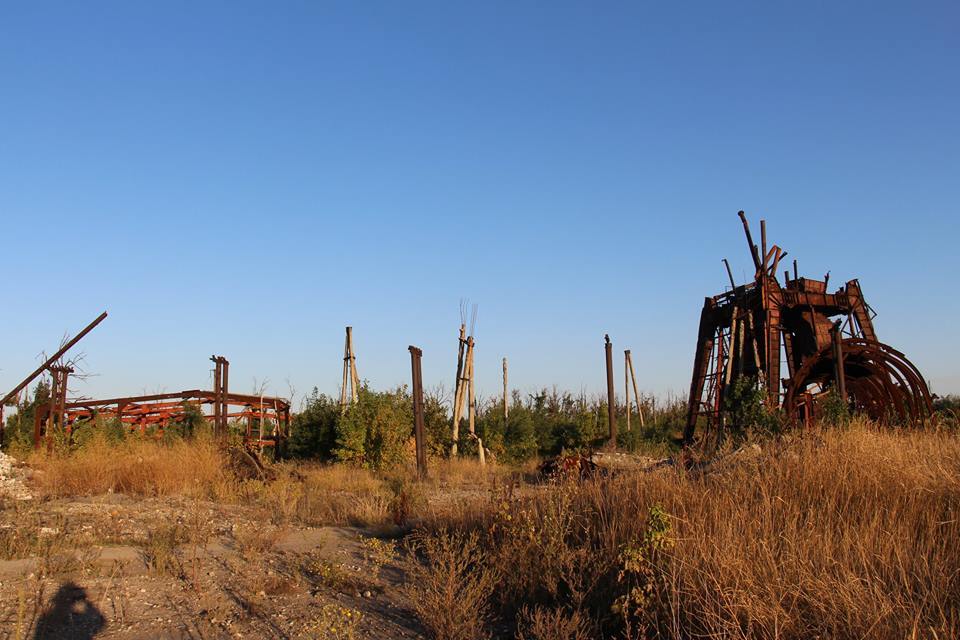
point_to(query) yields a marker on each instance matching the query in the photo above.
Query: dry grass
(450, 586)
(134, 467)
(837, 534)
(303, 493)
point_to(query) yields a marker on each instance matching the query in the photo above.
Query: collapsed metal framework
(742, 331)
(267, 418)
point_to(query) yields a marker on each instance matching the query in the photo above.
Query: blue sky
(247, 178)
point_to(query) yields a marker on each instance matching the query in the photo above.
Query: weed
(336, 622)
(450, 585)
(160, 550)
(377, 553)
(541, 623)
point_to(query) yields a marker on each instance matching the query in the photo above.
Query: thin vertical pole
(626, 383)
(838, 370)
(458, 390)
(346, 370)
(418, 429)
(354, 378)
(763, 239)
(216, 393)
(506, 397)
(471, 389)
(224, 405)
(611, 394)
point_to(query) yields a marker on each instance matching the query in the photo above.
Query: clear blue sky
(247, 178)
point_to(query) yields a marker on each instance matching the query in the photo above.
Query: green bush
(746, 411)
(375, 431)
(18, 431)
(313, 431)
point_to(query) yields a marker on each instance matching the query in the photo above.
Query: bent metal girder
(753, 328)
(880, 382)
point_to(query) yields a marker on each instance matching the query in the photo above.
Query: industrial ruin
(826, 340)
(749, 335)
(265, 419)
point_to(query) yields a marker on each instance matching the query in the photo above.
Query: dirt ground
(118, 567)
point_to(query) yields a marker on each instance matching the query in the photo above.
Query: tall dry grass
(303, 493)
(849, 533)
(132, 466)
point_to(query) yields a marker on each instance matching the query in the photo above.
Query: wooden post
(611, 394)
(418, 429)
(626, 383)
(458, 390)
(354, 378)
(471, 389)
(506, 397)
(346, 372)
(636, 394)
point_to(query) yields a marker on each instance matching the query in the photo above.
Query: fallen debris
(11, 479)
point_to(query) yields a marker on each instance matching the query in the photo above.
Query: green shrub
(375, 431)
(313, 431)
(746, 411)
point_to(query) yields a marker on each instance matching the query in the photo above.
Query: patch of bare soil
(117, 567)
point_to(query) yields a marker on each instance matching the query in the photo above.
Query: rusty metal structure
(264, 420)
(826, 343)
(59, 373)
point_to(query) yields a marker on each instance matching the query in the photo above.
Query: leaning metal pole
(53, 358)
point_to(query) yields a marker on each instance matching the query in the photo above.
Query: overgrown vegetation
(836, 533)
(375, 433)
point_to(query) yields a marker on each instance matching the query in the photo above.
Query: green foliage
(436, 425)
(836, 412)
(746, 411)
(520, 439)
(192, 423)
(375, 431)
(109, 430)
(18, 433)
(642, 576)
(947, 410)
(550, 422)
(313, 431)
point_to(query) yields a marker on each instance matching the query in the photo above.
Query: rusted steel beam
(838, 371)
(224, 390)
(752, 247)
(208, 397)
(56, 356)
(733, 284)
